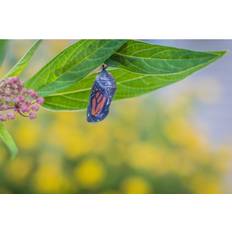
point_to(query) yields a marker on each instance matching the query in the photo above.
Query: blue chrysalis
(101, 96)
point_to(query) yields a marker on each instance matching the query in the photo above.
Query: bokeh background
(174, 140)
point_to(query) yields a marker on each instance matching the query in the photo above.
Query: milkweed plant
(89, 74)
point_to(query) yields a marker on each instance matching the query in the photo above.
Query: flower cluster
(15, 98)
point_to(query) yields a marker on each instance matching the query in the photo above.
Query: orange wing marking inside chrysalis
(98, 102)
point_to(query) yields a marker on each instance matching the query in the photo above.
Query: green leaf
(8, 140)
(3, 44)
(139, 68)
(145, 58)
(73, 64)
(19, 67)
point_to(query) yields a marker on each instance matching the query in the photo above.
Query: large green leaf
(129, 84)
(8, 140)
(73, 64)
(19, 67)
(140, 68)
(2, 49)
(145, 58)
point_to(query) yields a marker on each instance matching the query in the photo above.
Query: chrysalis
(101, 96)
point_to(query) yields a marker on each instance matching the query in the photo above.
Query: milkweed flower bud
(35, 107)
(32, 115)
(40, 100)
(15, 98)
(10, 115)
(2, 118)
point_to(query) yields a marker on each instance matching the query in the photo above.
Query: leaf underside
(73, 64)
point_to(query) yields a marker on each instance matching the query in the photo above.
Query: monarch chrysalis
(101, 96)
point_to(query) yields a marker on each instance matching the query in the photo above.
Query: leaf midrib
(137, 78)
(165, 59)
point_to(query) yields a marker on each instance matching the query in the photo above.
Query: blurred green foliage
(146, 145)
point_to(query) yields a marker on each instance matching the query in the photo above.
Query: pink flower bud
(5, 107)
(35, 107)
(2, 118)
(32, 115)
(19, 98)
(40, 100)
(14, 80)
(25, 108)
(8, 99)
(32, 93)
(10, 115)
(15, 98)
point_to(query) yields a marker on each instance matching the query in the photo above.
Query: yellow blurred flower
(202, 183)
(90, 173)
(71, 141)
(18, 170)
(135, 185)
(64, 117)
(146, 156)
(181, 132)
(27, 134)
(50, 177)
